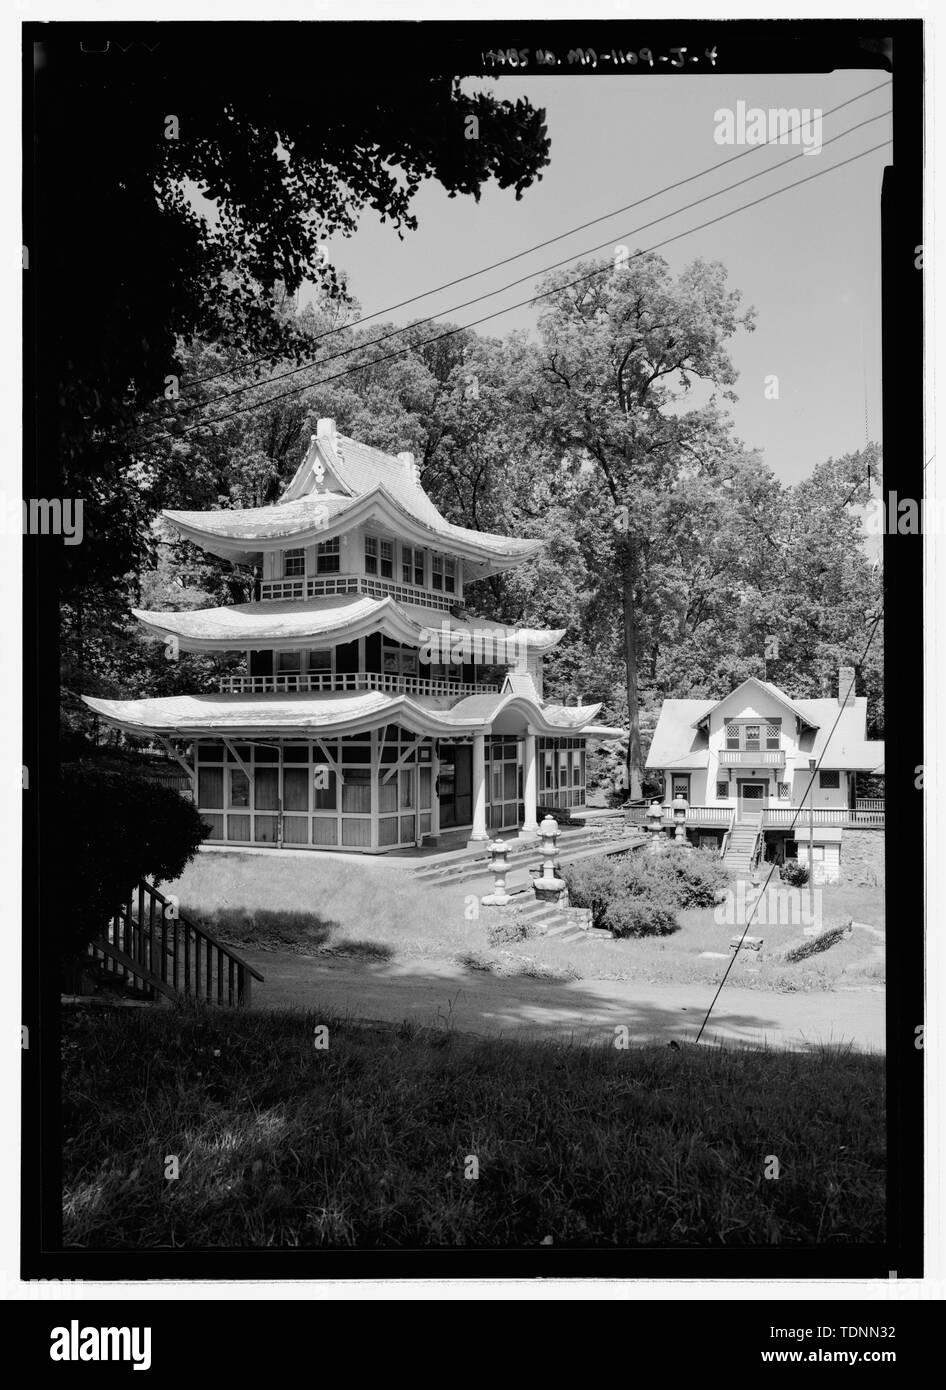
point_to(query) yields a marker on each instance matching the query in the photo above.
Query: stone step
(532, 859)
(476, 861)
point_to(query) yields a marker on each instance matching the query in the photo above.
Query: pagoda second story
(360, 586)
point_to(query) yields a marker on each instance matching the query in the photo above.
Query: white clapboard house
(767, 774)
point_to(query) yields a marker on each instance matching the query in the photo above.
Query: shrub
(119, 828)
(822, 942)
(593, 883)
(508, 927)
(694, 876)
(794, 874)
(641, 916)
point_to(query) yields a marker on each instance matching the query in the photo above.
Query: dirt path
(435, 992)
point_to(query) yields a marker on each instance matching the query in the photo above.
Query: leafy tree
(622, 346)
(218, 175)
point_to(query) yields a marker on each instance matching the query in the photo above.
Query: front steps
(553, 922)
(738, 856)
(467, 865)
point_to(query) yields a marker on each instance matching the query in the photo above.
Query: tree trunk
(634, 761)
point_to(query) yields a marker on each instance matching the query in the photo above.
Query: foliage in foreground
(121, 828)
(366, 1143)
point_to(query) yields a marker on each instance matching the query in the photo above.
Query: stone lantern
(498, 867)
(548, 887)
(653, 822)
(679, 806)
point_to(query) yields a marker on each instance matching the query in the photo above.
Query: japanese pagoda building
(372, 714)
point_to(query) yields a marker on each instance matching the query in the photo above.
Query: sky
(808, 261)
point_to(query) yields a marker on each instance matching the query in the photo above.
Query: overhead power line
(538, 246)
(462, 328)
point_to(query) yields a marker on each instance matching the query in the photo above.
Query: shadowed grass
(366, 1143)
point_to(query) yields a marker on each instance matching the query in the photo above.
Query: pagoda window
(386, 549)
(319, 661)
(443, 574)
(239, 788)
(412, 565)
(288, 662)
(293, 564)
(327, 554)
(371, 555)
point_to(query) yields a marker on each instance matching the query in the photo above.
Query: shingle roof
(676, 741)
(256, 625)
(362, 473)
(837, 745)
(773, 690)
(309, 714)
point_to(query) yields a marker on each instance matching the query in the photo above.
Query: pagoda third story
(371, 714)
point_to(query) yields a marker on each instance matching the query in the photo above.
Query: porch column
(374, 789)
(434, 797)
(530, 785)
(479, 831)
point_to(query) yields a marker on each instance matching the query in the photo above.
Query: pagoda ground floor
(379, 790)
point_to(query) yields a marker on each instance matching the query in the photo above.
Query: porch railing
(783, 817)
(350, 681)
(748, 757)
(721, 816)
(148, 941)
(327, 586)
(773, 818)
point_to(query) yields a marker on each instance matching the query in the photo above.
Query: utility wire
(582, 226)
(462, 328)
(490, 294)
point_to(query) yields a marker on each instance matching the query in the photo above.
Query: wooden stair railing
(149, 941)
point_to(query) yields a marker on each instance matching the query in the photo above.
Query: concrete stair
(467, 865)
(553, 922)
(738, 856)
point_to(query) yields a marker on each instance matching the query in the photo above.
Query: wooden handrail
(164, 950)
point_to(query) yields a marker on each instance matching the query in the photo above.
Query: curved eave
(308, 716)
(378, 506)
(368, 616)
(385, 616)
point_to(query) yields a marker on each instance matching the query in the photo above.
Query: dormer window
(412, 566)
(750, 735)
(327, 556)
(293, 564)
(443, 574)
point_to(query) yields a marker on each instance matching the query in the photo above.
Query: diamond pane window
(773, 733)
(830, 781)
(732, 735)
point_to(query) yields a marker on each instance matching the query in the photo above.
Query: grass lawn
(370, 1143)
(855, 963)
(377, 911)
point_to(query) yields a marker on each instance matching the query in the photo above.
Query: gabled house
(371, 712)
(763, 772)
